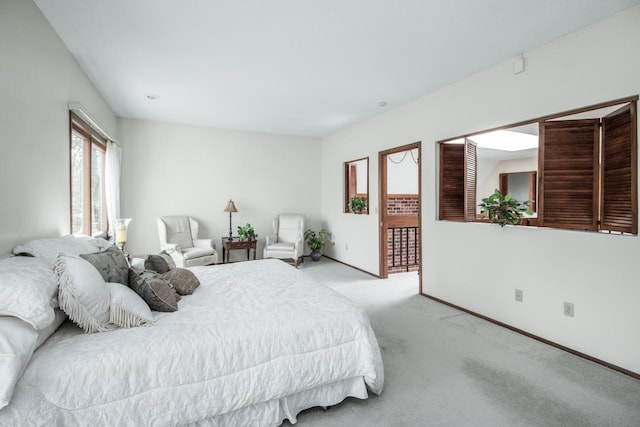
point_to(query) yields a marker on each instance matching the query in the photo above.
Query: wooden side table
(229, 245)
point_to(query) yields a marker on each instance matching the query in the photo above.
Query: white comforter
(253, 332)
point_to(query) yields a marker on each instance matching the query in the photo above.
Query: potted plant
(246, 232)
(316, 241)
(358, 204)
(503, 209)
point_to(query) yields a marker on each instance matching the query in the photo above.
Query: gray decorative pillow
(182, 280)
(160, 263)
(154, 290)
(111, 263)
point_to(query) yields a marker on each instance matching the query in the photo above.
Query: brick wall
(403, 204)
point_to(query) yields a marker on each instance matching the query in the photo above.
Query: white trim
(79, 110)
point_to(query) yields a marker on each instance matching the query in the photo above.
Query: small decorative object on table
(316, 241)
(246, 232)
(503, 209)
(121, 226)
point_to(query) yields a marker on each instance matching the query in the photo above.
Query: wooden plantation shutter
(457, 181)
(452, 167)
(619, 202)
(533, 190)
(470, 175)
(568, 166)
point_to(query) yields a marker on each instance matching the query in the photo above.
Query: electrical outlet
(568, 309)
(519, 295)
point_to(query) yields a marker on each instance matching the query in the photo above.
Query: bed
(256, 343)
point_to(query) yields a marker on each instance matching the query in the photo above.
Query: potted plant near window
(316, 241)
(246, 232)
(357, 204)
(503, 209)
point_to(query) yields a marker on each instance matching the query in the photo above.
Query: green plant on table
(246, 232)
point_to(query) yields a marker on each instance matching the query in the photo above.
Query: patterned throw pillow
(154, 290)
(160, 263)
(182, 280)
(111, 263)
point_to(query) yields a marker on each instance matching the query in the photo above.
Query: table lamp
(231, 207)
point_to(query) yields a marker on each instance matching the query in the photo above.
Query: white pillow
(49, 248)
(18, 341)
(127, 309)
(83, 293)
(137, 264)
(28, 290)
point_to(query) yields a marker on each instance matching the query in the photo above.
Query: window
(87, 154)
(586, 177)
(356, 181)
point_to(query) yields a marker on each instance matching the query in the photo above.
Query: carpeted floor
(444, 367)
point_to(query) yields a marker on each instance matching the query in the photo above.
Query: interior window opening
(576, 170)
(356, 192)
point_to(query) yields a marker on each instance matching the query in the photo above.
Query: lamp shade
(231, 207)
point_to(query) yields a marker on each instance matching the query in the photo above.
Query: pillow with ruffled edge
(182, 280)
(49, 248)
(83, 294)
(111, 264)
(155, 291)
(128, 309)
(18, 341)
(28, 290)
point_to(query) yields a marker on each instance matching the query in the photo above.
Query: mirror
(356, 191)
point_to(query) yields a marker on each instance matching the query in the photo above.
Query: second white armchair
(287, 240)
(179, 237)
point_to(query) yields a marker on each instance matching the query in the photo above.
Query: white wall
(402, 172)
(38, 78)
(171, 169)
(362, 176)
(598, 273)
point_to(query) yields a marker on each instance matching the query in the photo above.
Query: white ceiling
(297, 67)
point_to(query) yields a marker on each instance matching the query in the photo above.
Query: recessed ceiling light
(382, 103)
(151, 96)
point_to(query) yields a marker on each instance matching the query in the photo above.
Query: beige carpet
(447, 368)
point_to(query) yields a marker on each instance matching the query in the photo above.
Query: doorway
(400, 210)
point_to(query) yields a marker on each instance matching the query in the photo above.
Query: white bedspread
(252, 332)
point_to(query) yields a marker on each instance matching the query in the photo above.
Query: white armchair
(179, 237)
(287, 240)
